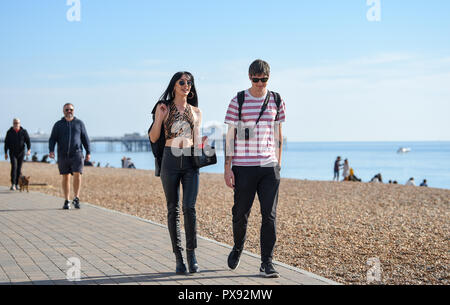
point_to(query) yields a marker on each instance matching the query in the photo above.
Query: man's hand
(6, 156)
(229, 178)
(88, 157)
(28, 152)
(51, 155)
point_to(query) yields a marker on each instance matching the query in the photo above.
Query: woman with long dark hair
(178, 117)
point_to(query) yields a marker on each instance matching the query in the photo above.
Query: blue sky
(342, 77)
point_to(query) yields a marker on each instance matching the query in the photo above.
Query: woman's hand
(161, 112)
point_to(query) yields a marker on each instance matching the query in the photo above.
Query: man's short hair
(259, 66)
(67, 104)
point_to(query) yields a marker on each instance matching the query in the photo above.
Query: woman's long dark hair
(168, 95)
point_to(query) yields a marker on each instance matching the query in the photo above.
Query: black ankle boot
(181, 267)
(192, 261)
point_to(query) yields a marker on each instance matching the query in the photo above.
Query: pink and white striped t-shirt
(261, 149)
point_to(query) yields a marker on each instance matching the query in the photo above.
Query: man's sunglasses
(256, 80)
(182, 83)
(68, 109)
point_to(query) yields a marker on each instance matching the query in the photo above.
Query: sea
(315, 160)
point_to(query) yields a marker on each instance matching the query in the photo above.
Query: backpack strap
(241, 99)
(277, 97)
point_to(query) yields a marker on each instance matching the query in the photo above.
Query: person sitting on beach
(34, 158)
(130, 164)
(424, 183)
(377, 179)
(411, 182)
(352, 176)
(177, 121)
(45, 159)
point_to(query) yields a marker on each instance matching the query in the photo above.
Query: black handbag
(202, 157)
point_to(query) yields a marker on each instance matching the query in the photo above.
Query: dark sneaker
(66, 205)
(234, 259)
(267, 270)
(76, 203)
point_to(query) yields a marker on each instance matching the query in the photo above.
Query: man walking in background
(71, 136)
(15, 141)
(254, 145)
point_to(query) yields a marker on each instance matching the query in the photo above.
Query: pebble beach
(333, 229)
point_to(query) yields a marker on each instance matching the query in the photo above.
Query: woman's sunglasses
(182, 83)
(256, 80)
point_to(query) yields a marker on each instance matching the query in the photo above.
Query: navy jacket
(70, 136)
(15, 141)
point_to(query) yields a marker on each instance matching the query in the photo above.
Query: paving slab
(42, 244)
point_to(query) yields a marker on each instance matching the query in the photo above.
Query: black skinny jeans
(176, 168)
(265, 182)
(16, 167)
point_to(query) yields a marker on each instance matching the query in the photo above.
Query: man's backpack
(241, 99)
(158, 146)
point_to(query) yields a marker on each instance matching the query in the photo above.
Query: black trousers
(175, 169)
(16, 167)
(264, 181)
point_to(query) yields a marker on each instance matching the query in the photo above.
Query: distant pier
(126, 143)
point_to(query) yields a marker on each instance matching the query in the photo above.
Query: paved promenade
(37, 238)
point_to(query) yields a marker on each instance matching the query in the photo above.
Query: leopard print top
(179, 125)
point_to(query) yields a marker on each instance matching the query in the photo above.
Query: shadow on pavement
(157, 278)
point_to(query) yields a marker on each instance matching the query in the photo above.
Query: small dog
(23, 183)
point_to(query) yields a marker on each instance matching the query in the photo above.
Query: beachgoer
(352, 176)
(411, 182)
(124, 162)
(178, 118)
(45, 159)
(337, 166)
(35, 157)
(346, 170)
(377, 178)
(130, 164)
(15, 141)
(71, 136)
(424, 183)
(253, 162)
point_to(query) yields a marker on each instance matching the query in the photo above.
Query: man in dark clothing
(15, 141)
(256, 170)
(337, 166)
(71, 136)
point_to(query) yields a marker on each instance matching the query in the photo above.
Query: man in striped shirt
(253, 162)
